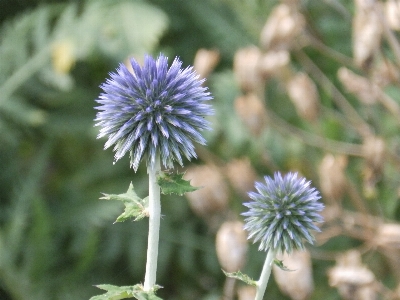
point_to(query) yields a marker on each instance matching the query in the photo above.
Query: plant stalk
(266, 271)
(154, 226)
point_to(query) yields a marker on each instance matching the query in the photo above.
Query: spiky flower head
(283, 212)
(153, 109)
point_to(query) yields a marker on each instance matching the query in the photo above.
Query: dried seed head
(252, 113)
(247, 292)
(213, 197)
(304, 95)
(246, 68)
(374, 152)
(284, 24)
(353, 280)
(365, 90)
(367, 31)
(388, 235)
(231, 246)
(332, 176)
(63, 56)
(392, 13)
(241, 175)
(205, 61)
(275, 63)
(385, 73)
(297, 284)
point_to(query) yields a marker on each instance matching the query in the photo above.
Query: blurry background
(306, 86)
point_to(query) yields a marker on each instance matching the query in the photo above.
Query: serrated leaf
(280, 265)
(241, 276)
(134, 206)
(174, 183)
(123, 292)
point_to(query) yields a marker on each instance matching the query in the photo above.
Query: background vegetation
(321, 98)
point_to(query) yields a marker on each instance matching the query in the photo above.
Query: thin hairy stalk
(329, 52)
(154, 226)
(265, 273)
(313, 139)
(390, 104)
(388, 33)
(351, 113)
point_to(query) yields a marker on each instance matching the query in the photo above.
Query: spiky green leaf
(241, 276)
(134, 206)
(125, 292)
(280, 265)
(174, 183)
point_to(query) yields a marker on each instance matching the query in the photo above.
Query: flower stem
(154, 226)
(266, 271)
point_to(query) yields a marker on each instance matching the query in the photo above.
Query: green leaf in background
(241, 276)
(174, 184)
(124, 292)
(134, 206)
(280, 265)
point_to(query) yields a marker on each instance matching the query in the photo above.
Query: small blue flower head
(283, 212)
(154, 109)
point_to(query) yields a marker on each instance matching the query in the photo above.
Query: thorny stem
(154, 226)
(266, 271)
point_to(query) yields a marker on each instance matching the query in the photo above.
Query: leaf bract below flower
(135, 207)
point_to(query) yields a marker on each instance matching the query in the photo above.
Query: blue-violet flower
(283, 212)
(153, 110)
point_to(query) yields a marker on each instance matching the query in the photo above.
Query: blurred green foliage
(57, 239)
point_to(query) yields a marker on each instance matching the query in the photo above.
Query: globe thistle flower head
(282, 212)
(154, 109)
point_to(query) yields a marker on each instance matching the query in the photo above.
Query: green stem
(154, 226)
(266, 271)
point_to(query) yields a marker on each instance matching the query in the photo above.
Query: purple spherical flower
(154, 109)
(283, 212)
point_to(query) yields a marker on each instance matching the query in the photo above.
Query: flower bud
(353, 280)
(246, 68)
(231, 246)
(332, 176)
(297, 284)
(205, 61)
(241, 175)
(247, 292)
(213, 197)
(252, 113)
(367, 31)
(388, 235)
(392, 13)
(304, 95)
(365, 90)
(275, 63)
(283, 25)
